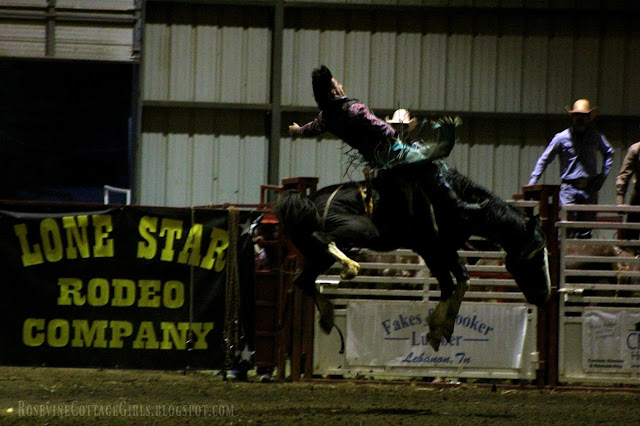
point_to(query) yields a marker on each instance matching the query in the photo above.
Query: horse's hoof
(350, 271)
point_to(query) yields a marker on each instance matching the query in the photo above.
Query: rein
(326, 207)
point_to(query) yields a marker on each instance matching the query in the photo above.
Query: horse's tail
(297, 212)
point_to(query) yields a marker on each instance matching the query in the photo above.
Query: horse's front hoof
(350, 270)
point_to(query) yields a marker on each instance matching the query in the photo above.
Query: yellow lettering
(119, 330)
(85, 336)
(149, 294)
(124, 292)
(33, 332)
(58, 333)
(102, 225)
(98, 292)
(146, 226)
(146, 338)
(191, 250)
(171, 229)
(77, 239)
(51, 239)
(70, 292)
(170, 334)
(29, 257)
(173, 294)
(200, 330)
(216, 253)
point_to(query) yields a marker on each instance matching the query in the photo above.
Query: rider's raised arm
(312, 128)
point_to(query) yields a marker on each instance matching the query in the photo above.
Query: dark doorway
(65, 129)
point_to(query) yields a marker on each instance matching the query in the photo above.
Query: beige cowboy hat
(401, 116)
(582, 106)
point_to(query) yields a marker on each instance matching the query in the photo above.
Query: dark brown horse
(400, 215)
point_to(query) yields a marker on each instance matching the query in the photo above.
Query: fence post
(303, 308)
(547, 333)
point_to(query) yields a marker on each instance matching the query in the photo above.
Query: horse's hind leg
(439, 326)
(442, 319)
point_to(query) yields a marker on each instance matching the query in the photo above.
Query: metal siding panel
(357, 59)
(506, 176)
(284, 161)
(561, 50)
(287, 92)
(231, 78)
(306, 57)
(382, 65)
(408, 61)
(153, 165)
(483, 73)
(156, 58)
(534, 83)
(96, 4)
(207, 65)
(181, 63)
(632, 81)
(257, 62)
(253, 168)
(433, 74)
(203, 159)
(481, 153)
(322, 158)
(332, 41)
(303, 157)
(25, 3)
(76, 41)
(612, 79)
(179, 161)
(202, 186)
(18, 39)
(459, 157)
(227, 165)
(330, 162)
(585, 68)
(509, 73)
(458, 85)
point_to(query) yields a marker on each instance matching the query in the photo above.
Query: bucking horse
(395, 210)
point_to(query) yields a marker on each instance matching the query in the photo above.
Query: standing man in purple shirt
(577, 147)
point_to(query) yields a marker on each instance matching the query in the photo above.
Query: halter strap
(326, 207)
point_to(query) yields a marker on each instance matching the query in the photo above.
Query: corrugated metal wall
(509, 72)
(100, 30)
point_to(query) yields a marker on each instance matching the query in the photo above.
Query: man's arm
(312, 128)
(547, 157)
(607, 155)
(626, 171)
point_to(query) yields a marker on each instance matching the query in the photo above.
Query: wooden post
(547, 333)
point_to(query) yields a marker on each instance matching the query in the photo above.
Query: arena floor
(126, 397)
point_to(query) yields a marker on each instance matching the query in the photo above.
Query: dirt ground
(126, 397)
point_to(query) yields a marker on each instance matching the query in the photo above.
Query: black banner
(134, 287)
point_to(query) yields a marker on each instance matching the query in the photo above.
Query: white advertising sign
(395, 334)
(611, 340)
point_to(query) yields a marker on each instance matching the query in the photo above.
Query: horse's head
(529, 265)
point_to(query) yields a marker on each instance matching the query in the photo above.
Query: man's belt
(580, 183)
